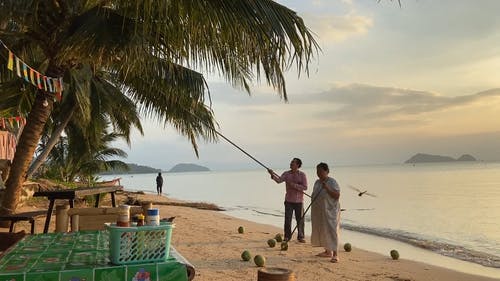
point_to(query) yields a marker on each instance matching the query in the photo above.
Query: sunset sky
(389, 82)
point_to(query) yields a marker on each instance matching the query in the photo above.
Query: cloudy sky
(389, 82)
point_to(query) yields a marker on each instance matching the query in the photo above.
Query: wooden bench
(25, 216)
(91, 218)
(72, 194)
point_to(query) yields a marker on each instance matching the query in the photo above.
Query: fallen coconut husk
(197, 205)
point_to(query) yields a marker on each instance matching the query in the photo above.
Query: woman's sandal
(335, 259)
(324, 255)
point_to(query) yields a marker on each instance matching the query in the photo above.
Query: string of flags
(30, 75)
(19, 120)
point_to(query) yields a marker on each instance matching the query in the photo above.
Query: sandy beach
(211, 242)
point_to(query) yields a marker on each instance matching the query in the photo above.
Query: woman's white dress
(325, 216)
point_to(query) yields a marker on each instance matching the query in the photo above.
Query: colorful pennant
(30, 75)
(20, 121)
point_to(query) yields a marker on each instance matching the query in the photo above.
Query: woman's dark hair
(323, 166)
(298, 161)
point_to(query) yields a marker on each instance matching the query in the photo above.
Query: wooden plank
(95, 222)
(76, 192)
(24, 216)
(97, 190)
(93, 211)
(55, 194)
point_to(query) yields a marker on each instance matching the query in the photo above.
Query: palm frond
(121, 111)
(169, 92)
(232, 37)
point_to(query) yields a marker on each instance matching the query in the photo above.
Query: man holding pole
(296, 184)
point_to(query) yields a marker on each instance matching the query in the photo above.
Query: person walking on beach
(325, 213)
(159, 183)
(296, 183)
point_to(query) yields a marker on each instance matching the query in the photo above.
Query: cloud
(334, 28)
(358, 110)
(364, 102)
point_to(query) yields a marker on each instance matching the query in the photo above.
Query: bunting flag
(32, 76)
(18, 67)
(18, 120)
(25, 72)
(49, 82)
(38, 83)
(10, 64)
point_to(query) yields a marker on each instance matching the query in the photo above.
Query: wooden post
(75, 223)
(62, 218)
(146, 206)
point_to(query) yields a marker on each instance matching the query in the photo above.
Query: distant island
(140, 169)
(133, 169)
(429, 158)
(187, 167)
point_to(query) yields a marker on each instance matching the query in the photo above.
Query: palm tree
(73, 158)
(84, 106)
(147, 50)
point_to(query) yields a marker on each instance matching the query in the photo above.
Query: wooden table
(72, 194)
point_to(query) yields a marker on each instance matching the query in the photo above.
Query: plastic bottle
(140, 220)
(153, 217)
(123, 216)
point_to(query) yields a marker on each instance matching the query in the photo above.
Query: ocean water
(443, 214)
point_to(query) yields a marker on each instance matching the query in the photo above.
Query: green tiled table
(79, 256)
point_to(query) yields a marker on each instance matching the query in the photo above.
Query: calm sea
(442, 214)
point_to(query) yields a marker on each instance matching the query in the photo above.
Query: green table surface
(79, 256)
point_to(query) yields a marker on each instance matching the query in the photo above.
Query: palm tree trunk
(54, 139)
(25, 150)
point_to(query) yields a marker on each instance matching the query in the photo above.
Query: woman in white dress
(325, 213)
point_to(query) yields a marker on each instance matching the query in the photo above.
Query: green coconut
(259, 260)
(246, 256)
(271, 243)
(347, 247)
(284, 246)
(278, 237)
(394, 254)
(241, 230)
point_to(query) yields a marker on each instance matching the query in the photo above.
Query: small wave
(445, 249)
(267, 213)
(274, 213)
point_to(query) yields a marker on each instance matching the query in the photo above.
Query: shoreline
(211, 242)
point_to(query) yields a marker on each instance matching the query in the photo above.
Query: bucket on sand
(275, 274)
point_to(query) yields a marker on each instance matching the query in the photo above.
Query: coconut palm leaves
(72, 159)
